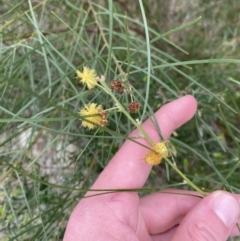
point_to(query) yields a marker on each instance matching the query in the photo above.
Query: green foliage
(48, 160)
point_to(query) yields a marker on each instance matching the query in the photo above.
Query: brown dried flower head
(116, 85)
(103, 114)
(134, 107)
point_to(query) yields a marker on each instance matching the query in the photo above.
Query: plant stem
(189, 182)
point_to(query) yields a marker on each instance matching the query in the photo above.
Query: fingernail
(226, 207)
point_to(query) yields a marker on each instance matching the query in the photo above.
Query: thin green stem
(110, 109)
(189, 182)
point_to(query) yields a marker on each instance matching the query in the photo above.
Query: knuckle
(201, 231)
(170, 118)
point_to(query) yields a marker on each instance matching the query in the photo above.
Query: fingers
(163, 211)
(127, 168)
(211, 219)
(235, 231)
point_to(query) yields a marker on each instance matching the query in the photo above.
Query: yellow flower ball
(93, 116)
(161, 148)
(158, 152)
(88, 76)
(153, 158)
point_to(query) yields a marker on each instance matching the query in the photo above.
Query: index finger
(127, 169)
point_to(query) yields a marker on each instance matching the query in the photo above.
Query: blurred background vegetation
(47, 161)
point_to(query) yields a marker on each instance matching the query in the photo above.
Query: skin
(171, 215)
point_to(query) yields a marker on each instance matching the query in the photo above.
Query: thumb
(211, 219)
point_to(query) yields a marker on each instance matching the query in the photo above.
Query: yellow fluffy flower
(93, 116)
(88, 76)
(158, 152)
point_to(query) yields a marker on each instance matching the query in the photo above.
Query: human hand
(172, 215)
